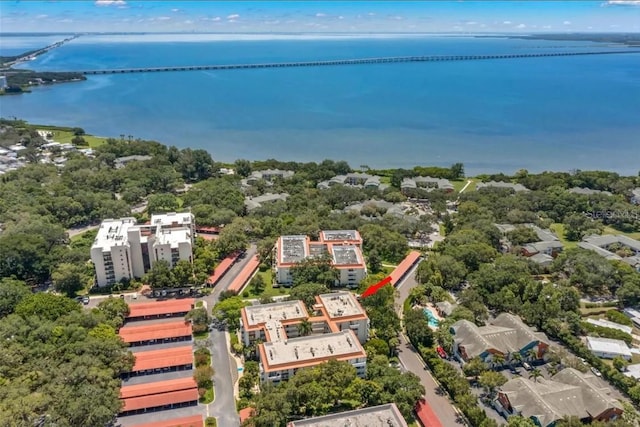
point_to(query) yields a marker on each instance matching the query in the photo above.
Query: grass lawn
(443, 231)
(199, 303)
(268, 290)
(201, 335)
(559, 230)
(208, 396)
(211, 422)
(65, 136)
(459, 185)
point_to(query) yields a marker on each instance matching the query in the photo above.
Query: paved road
(224, 405)
(412, 362)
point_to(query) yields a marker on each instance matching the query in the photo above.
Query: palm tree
(304, 328)
(535, 374)
(498, 360)
(517, 358)
(532, 354)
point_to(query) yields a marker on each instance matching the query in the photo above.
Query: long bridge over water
(333, 62)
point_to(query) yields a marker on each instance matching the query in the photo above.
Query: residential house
(503, 336)
(121, 162)
(608, 348)
(569, 393)
(354, 179)
(500, 184)
(588, 191)
(605, 245)
(268, 175)
(408, 186)
(252, 203)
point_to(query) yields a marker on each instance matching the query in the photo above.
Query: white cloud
(506, 22)
(471, 22)
(320, 15)
(521, 26)
(163, 18)
(175, 10)
(216, 19)
(547, 27)
(41, 16)
(566, 23)
(233, 16)
(371, 14)
(110, 2)
(622, 3)
(340, 17)
(188, 22)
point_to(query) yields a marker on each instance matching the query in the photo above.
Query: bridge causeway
(358, 61)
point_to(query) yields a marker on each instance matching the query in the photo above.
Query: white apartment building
(343, 246)
(338, 328)
(124, 249)
(279, 360)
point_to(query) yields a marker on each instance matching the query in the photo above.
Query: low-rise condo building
(288, 336)
(279, 360)
(124, 249)
(342, 246)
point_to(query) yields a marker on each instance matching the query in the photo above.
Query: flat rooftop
(346, 255)
(293, 249)
(277, 311)
(307, 351)
(339, 235)
(608, 345)
(181, 218)
(174, 236)
(341, 304)
(113, 232)
(376, 416)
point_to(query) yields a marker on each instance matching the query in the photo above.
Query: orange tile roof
(162, 399)
(157, 331)
(138, 390)
(244, 276)
(193, 421)
(404, 266)
(164, 358)
(223, 267)
(246, 413)
(160, 307)
(425, 414)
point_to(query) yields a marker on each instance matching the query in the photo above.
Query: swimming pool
(433, 320)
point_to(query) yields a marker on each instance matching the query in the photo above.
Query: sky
(525, 16)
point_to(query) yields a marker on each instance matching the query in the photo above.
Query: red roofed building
(400, 272)
(243, 277)
(160, 309)
(222, 268)
(157, 333)
(158, 387)
(165, 360)
(425, 415)
(194, 421)
(160, 402)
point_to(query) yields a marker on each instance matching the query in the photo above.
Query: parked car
(85, 300)
(596, 372)
(441, 352)
(526, 366)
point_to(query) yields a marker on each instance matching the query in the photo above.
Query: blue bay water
(554, 113)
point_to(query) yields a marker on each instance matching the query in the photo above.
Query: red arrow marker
(375, 288)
